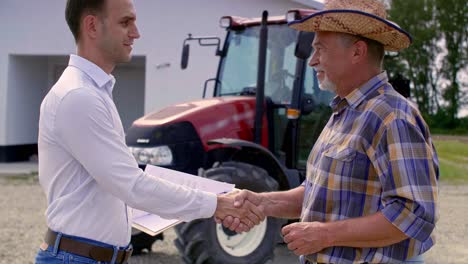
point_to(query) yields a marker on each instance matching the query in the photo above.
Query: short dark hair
(76, 9)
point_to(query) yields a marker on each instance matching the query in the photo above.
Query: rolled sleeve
(407, 221)
(408, 172)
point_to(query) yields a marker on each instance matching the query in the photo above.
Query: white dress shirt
(86, 170)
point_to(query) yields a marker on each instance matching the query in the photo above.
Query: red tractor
(255, 131)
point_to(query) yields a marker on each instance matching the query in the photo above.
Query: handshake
(240, 210)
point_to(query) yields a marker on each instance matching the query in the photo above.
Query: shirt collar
(354, 98)
(100, 77)
(358, 95)
(338, 103)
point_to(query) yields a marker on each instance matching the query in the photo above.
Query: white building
(35, 44)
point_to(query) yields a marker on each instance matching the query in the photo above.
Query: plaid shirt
(375, 154)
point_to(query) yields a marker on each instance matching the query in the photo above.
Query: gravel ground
(22, 225)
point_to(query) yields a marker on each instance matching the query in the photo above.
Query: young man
(370, 195)
(90, 178)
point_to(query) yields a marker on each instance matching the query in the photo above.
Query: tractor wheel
(141, 241)
(204, 241)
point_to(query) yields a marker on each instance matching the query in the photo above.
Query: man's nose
(134, 33)
(313, 60)
(313, 63)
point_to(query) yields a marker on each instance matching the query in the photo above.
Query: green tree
(418, 63)
(437, 57)
(453, 24)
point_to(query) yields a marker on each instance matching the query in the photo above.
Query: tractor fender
(260, 156)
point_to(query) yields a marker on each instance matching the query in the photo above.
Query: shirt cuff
(208, 203)
(406, 221)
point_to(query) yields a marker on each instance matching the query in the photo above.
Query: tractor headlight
(161, 155)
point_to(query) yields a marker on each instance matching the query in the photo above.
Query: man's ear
(359, 51)
(90, 26)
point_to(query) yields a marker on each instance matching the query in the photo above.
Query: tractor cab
(285, 73)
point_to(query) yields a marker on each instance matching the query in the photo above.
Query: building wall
(28, 74)
(34, 28)
(38, 29)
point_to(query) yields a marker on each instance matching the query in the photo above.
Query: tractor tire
(204, 241)
(141, 241)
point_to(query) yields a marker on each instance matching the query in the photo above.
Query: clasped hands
(240, 211)
(237, 212)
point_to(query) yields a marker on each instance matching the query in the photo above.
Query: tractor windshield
(238, 72)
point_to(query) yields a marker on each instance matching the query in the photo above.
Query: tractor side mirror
(202, 41)
(185, 56)
(308, 104)
(304, 45)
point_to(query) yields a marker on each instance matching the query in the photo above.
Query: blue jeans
(53, 255)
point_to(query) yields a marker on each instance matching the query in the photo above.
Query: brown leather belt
(84, 249)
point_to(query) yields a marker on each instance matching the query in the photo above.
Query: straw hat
(366, 18)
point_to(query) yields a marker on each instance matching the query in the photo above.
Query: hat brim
(356, 23)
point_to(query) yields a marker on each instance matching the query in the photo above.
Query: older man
(371, 188)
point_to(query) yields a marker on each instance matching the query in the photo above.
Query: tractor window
(238, 72)
(281, 65)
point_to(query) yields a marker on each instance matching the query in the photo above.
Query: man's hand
(246, 215)
(246, 195)
(243, 197)
(306, 238)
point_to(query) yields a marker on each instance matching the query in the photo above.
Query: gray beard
(327, 85)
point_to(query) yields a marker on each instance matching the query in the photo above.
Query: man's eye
(125, 23)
